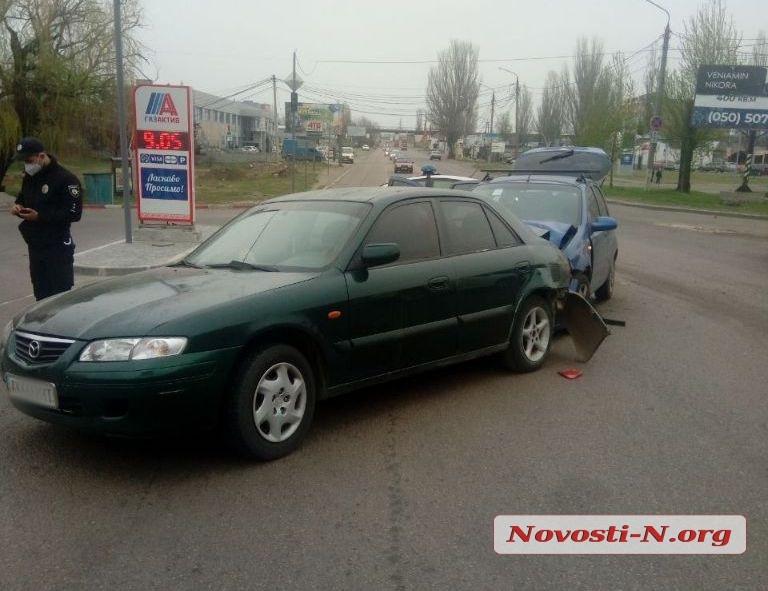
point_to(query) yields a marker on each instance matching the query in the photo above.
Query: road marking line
(99, 247)
(16, 300)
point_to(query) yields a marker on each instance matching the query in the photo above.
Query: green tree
(709, 38)
(57, 71)
(595, 98)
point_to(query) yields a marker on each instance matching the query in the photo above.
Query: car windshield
(282, 236)
(536, 202)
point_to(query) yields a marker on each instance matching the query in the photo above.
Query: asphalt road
(397, 486)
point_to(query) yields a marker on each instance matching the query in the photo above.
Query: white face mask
(32, 169)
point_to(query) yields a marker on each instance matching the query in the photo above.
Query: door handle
(438, 283)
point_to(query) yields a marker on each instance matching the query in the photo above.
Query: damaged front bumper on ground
(585, 325)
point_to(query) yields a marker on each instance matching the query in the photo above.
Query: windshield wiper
(557, 156)
(242, 265)
(185, 263)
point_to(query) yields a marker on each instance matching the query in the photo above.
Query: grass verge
(214, 183)
(694, 199)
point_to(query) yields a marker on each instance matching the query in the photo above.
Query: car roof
(378, 195)
(452, 177)
(549, 179)
(579, 161)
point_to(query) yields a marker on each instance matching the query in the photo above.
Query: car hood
(559, 233)
(134, 305)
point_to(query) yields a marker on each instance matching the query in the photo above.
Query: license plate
(32, 391)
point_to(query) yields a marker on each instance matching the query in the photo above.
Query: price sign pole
(162, 153)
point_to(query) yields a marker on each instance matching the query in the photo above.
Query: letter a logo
(168, 108)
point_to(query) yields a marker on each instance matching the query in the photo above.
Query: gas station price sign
(163, 153)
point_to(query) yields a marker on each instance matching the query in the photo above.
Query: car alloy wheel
(273, 403)
(531, 336)
(279, 402)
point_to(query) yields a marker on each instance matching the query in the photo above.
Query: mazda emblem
(34, 349)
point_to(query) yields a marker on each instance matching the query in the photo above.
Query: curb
(233, 205)
(712, 212)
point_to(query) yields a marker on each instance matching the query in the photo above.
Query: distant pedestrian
(49, 201)
(658, 176)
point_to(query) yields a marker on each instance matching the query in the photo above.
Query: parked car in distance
(347, 155)
(435, 155)
(298, 299)
(249, 149)
(550, 191)
(718, 166)
(403, 165)
(366, 147)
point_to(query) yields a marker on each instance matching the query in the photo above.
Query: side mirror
(380, 254)
(604, 223)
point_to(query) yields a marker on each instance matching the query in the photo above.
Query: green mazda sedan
(297, 299)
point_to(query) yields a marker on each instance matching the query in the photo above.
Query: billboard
(162, 150)
(731, 97)
(356, 131)
(314, 119)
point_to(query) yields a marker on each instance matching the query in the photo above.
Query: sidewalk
(122, 258)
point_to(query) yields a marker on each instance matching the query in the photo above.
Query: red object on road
(571, 374)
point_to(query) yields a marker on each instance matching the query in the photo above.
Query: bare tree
(452, 90)
(524, 116)
(709, 38)
(504, 126)
(550, 118)
(650, 85)
(760, 51)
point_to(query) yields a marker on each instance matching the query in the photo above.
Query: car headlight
(133, 349)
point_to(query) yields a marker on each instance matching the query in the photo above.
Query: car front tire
(531, 336)
(273, 404)
(605, 291)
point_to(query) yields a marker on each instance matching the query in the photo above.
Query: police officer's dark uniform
(56, 195)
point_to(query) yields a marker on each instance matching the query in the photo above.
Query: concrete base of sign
(161, 234)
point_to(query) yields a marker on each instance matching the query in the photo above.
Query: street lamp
(659, 94)
(517, 100)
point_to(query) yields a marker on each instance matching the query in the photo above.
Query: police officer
(49, 201)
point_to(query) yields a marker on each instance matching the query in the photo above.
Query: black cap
(28, 146)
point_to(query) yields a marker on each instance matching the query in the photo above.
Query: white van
(348, 155)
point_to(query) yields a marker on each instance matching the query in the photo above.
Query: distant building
(227, 124)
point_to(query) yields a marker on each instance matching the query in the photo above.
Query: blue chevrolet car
(556, 191)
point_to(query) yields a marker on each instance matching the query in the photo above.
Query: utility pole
(493, 106)
(121, 116)
(517, 101)
(294, 110)
(517, 122)
(274, 103)
(659, 95)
